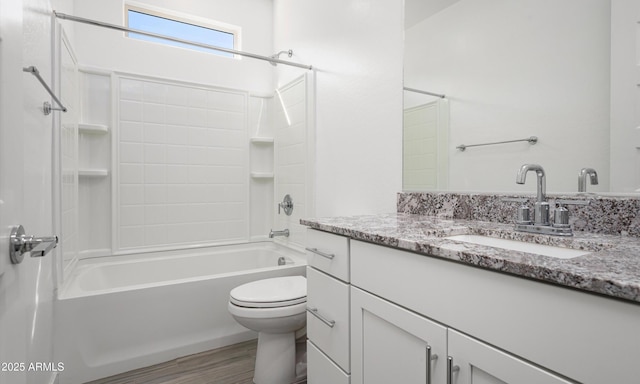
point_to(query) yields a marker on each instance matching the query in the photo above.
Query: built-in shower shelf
(93, 173)
(95, 129)
(262, 140)
(261, 175)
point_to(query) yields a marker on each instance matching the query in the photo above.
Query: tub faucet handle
(286, 204)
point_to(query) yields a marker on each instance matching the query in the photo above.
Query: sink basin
(514, 245)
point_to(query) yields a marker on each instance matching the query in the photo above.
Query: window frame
(186, 19)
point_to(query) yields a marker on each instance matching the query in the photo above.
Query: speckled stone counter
(612, 268)
(612, 215)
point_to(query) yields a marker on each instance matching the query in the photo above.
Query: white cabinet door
(480, 363)
(390, 344)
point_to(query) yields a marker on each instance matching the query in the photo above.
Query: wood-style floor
(229, 365)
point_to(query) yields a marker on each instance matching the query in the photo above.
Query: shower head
(277, 56)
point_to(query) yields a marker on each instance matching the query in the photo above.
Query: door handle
(20, 243)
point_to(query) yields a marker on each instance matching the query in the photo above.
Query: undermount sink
(514, 245)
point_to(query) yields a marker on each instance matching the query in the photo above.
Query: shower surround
(180, 174)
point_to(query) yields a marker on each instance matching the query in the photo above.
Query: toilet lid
(270, 293)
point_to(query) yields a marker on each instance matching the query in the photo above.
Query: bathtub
(119, 313)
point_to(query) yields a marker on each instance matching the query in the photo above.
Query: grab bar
(46, 106)
(532, 140)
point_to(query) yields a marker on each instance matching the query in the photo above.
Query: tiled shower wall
(181, 170)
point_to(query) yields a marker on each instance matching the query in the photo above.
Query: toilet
(276, 309)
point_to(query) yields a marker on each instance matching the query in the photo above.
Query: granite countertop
(612, 268)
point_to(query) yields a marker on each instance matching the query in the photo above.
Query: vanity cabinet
(328, 307)
(392, 344)
(498, 328)
(384, 315)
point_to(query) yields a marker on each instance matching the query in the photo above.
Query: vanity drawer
(328, 253)
(328, 316)
(321, 370)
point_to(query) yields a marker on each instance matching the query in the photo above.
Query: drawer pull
(329, 256)
(314, 312)
(451, 369)
(430, 357)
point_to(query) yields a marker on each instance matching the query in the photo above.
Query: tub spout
(273, 233)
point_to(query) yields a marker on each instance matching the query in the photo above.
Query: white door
(479, 363)
(393, 345)
(26, 289)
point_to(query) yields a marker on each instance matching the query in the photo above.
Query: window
(181, 28)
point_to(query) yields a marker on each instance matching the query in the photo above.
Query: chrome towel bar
(46, 106)
(532, 140)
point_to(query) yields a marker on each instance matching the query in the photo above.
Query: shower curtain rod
(425, 92)
(272, 60)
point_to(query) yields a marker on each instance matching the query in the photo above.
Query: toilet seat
(276, 292)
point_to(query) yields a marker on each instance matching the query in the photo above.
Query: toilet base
(275, 358)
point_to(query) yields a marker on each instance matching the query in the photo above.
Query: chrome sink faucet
(541, 209)
(541, 222)
(582, 178)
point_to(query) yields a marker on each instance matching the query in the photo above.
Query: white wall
(356, 50)
(105, 48)
(511, 70)
(26, 289)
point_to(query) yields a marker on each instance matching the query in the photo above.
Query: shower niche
(94, 163)
(261, 160)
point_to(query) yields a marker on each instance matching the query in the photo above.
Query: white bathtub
(119, 313)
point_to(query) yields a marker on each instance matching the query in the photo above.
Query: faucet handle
(286, 204)
(561, 217)
(524, 215)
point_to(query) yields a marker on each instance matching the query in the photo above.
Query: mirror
(564, 71)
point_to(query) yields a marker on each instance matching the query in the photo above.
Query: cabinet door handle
(314, 312)
(451, 369)
(430, 357)
(329, 256)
